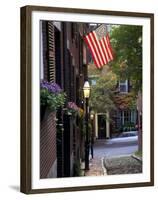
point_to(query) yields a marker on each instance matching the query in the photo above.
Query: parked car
(128, 134)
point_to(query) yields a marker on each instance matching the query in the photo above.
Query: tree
(127, 44)
(101, 94)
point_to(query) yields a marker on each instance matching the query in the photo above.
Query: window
(93, 79)
(133, 116)
(128, 116)
(123, 86)
(93, 82)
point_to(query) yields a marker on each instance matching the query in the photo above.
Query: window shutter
(51, 51)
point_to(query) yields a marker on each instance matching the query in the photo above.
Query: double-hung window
(123, 86)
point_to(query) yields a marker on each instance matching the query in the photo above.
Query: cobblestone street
(123, 165)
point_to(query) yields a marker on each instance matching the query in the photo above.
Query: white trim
(107, 125)
(96, 125)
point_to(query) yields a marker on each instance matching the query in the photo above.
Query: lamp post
(86, 92)
(92, 133)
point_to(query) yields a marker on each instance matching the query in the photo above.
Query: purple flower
(51, 87)
(72, 105)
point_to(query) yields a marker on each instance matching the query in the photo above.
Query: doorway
(101, 126)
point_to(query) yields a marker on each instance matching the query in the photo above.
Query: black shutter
(45, 49)
(66, 58)
(59, 72)
(51, 51)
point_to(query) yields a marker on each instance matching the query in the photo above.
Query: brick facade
(48, 149)
(47, 144)
(60, 145)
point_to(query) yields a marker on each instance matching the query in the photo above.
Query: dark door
(101, 127)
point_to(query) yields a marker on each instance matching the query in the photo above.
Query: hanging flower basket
(72, 109)
(51, 97)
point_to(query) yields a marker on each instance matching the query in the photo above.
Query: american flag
(99, 45)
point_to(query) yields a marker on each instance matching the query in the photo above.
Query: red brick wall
(47, 144)
(48, 154)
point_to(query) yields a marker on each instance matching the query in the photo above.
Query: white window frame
(125, 83)
(132, 116)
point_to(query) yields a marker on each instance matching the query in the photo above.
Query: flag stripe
(106, 46)
(92, 51)
(104, 51)
(99, 48)
(108, 40)
(95, 48)
(98, 42)
(109, 52)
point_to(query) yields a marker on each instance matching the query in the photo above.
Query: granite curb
(137, 158)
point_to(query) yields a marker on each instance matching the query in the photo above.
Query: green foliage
(127, 45)
(52, 101)
(138, 153)
(72, 109)
(101, 93)
(130, 126)
(125, 101)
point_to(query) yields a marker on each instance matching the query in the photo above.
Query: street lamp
(92, 132)
(92, 116)
(86, 92)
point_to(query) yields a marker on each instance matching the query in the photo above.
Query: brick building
(64, 61)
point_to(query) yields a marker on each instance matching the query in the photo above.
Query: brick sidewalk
(95, 168)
